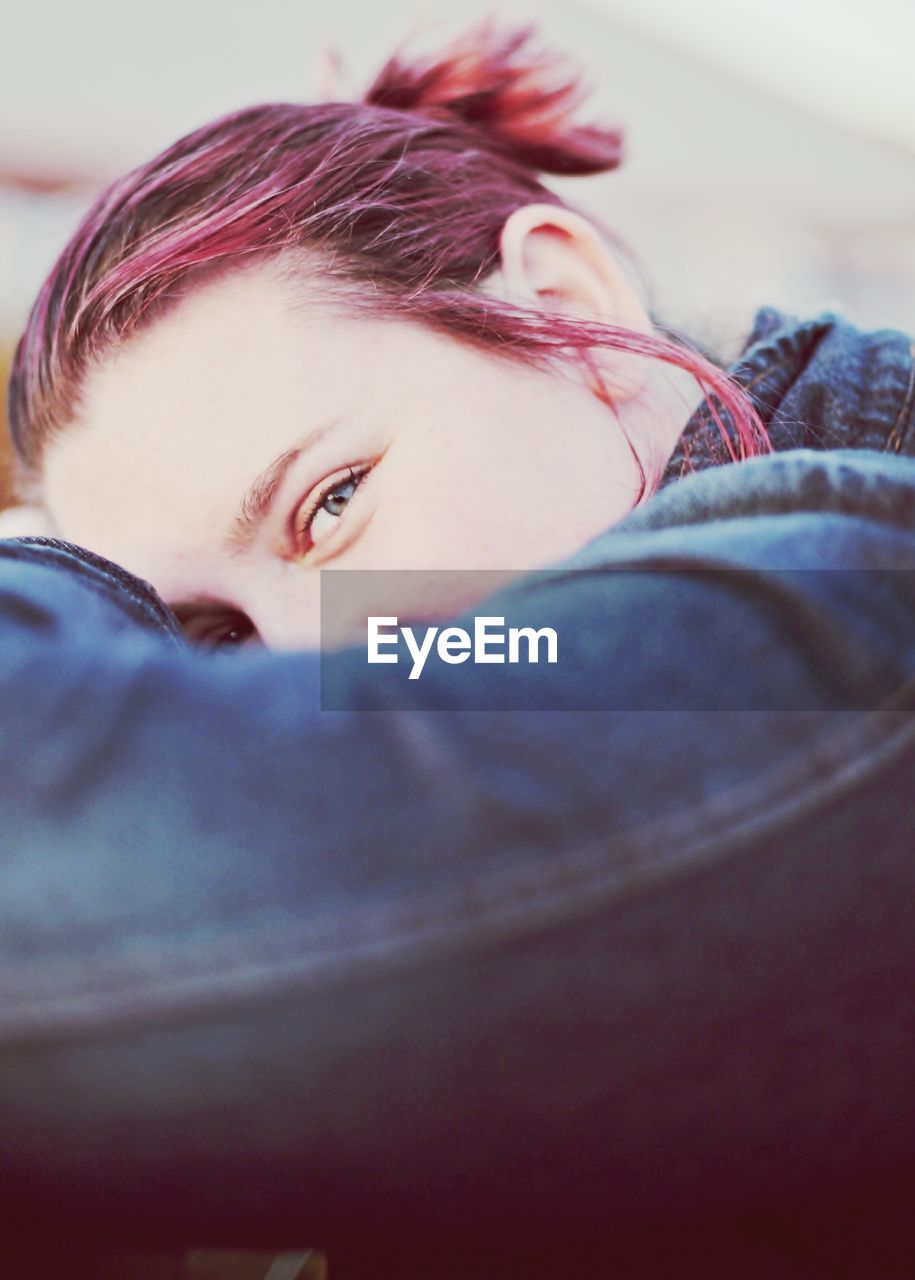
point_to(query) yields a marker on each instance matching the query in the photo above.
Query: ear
(554, 258)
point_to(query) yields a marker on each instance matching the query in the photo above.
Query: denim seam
(95, 574)
(907, 404)
(488, 909)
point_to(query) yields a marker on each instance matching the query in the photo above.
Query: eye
(228, 632)
(317, 517)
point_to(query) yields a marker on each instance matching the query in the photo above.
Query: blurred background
(771, 143)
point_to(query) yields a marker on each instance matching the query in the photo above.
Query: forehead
(205, 377)
(176, 423)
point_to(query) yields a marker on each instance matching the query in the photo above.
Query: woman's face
(245, 441)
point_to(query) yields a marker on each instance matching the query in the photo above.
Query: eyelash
(303, 519)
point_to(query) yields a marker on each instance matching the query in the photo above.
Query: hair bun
(523, 99)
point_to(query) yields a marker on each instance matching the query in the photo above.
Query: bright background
(771, 143)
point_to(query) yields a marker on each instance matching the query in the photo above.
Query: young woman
(523, 994)
(358, 334)
(365, 335)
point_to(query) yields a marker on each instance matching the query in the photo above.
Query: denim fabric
(448, 992)
(89, 592)
(817, 384)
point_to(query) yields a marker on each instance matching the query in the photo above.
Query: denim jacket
(817, 384)
(623, 990)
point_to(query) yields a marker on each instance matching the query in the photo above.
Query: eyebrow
(258, 497)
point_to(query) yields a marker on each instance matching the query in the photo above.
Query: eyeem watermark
(490, 642)
(634, 638)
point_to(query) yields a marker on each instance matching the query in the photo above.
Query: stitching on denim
(483, 910)
(906, 405)
(96, 573)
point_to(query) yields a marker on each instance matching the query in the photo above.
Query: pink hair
(402, 196)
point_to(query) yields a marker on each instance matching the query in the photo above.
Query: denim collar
(816, 384)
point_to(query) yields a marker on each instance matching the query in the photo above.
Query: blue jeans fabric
(436, 983)
(818, 383)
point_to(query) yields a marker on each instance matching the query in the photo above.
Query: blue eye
(335, 502)
(331, 500)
